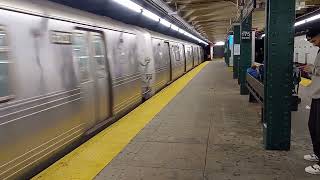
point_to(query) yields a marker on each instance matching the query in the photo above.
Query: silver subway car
(65, 72)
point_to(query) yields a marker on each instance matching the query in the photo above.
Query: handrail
(255, 87)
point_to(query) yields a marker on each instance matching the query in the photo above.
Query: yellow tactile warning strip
(86, 161)
(230, 68)
(305, 82)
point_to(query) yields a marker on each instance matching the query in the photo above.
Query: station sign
(246, 35)
(248, 7)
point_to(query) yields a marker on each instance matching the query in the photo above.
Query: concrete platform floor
(210, 132)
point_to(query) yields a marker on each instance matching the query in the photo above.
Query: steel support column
(245, 56)
(278, 73)
(236, 56)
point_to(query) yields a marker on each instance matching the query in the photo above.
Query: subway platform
(204, 131)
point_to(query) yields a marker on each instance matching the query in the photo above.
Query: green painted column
(236, 46)
(278, 77)
(245, 55)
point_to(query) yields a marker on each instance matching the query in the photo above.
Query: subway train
(65, 73)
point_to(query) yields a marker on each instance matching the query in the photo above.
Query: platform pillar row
(236, 57)
(278, 73)
(245, 53)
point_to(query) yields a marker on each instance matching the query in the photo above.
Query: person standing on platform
(313, 36)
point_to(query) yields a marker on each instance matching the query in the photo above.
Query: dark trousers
(314, 125)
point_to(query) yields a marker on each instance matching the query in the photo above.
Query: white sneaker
(311, 157)
(315, 169)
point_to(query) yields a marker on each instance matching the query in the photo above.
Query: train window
(177, 53)
(182, 53)
(81, 54)
(121, 51)
(3, 38)
(99, 55)
(3, 47)
(5, 93)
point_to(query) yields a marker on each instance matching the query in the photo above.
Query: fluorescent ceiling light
(307, 20)
(205, 43)
(150, 15)
(219, 43)
(139, 9)
(313, 18)
(187, 34)
(174, 27)
(130, 5)
(165, 22)
(182, 31)
(299, 23)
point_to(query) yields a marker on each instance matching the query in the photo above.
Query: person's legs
(316, 123)
(314, 129)
(312, 124)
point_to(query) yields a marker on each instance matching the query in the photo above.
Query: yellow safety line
(230, 68)
(86, 161)
(305, 82)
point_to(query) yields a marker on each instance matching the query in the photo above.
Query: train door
(185, 57)
(195, 56)
(198, 50)
(192, 56)
(167, 48)
(199, 55)
(175, 59)
(98, 55)
(90, 52)
(189, 58)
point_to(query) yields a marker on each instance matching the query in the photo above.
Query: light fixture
(307, 20)
(165, 22)
(188, 34)
(299, 23)
(313, 18)
(150, 15)
(174, 27)
(182, 31)
(137, 8)
(130, 5)
(219, 43)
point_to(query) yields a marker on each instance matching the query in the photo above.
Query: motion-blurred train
(304, 54)
(304, 51)
(64, 73)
